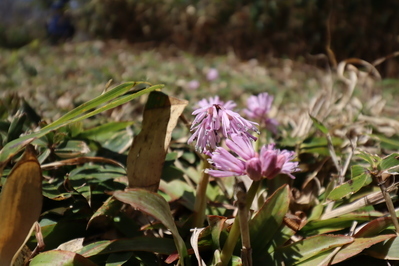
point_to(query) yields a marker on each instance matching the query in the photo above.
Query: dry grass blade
(147, 154)
(80, 160)
(20, 204)
(381, 60)
(371, 199)
(194, 244)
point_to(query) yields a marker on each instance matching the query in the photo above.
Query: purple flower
(258, 108)
(275, 162)
(193, 84)
(212, 74)
(268, 164)
(213, 119)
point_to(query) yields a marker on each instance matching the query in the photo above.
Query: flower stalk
(243, 214)
(200, 199)
(234, 233)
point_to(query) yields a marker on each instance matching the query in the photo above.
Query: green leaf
(316, 213)
(319, 125)
(391, 143)
(372, 159)
(335, 224)
(217, 224)
(118, 142)
(117, 259)
(71, 149)
(4, 126)
(78, 114)
(357, 170)
(280, 238)
(60, 257)
(103, 132)
(387, 250)
(154, 205)
(346, 252)
(310, 247)
(96, 173)
(266, 222)
(389, 162)
(17, 123)
(30, 112)
(350, 187)
(318, 145)
(374, 227)
(178, 189)
(110, 208)
(149, 244)
(60, 232)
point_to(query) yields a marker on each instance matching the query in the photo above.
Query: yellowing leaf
(147, 154)
(20, 205)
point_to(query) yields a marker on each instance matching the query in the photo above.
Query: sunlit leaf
(372, 159)
(71, 149)
(350, 187)
(390, 162)
(346, 252)
(61, 257)
(319, 125)
(374, 227)
(310, 247)
(335, 224)
(103, 132)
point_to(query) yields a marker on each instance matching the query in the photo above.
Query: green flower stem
(232, 238)
(200, 196)
(246, 250)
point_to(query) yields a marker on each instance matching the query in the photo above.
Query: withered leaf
(147, 154)
(20, 205)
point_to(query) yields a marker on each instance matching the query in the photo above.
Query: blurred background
(60, 53)
(366, 29)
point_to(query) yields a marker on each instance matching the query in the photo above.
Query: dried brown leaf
(147, 154)
(20, 204)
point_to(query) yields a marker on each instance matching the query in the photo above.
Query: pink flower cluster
(268, 164)
(258, 108)
(214, 119)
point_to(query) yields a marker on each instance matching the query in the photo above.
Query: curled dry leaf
(194, 244)
(147, 154)
(20, 204)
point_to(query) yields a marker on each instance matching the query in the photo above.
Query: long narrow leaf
(266, 222)
(150, 244)
(61, 257)
(17, 145)
(109, 95)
